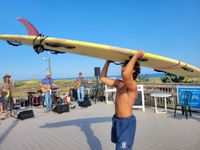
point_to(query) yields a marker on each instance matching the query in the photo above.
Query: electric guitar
(5, 94)
(45, 88)
(8, 94)
(77, 84)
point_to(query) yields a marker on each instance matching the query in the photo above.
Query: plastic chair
(187, 96)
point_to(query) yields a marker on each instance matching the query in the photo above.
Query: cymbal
(39, 91)
(55, 88)
(31, 92)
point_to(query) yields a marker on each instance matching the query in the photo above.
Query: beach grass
(26, 84)
(22, 87)
(70, 83)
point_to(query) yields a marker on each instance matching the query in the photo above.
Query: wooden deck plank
(89, 128)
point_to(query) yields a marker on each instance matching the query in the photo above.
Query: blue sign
(192, 94)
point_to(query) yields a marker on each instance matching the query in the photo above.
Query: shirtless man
(124, 122)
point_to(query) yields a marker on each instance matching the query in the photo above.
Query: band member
(6, 95)
(47, 85)
(1, 102)
(124, 122)
(79, 85)
(67, 99)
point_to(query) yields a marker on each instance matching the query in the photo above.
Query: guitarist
(46, 86)
(79, 85)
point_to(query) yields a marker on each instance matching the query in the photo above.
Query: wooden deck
(89, 129)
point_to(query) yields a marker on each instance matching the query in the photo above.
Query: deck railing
(148, 89)
(163, 88)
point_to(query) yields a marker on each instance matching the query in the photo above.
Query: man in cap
(46, 86)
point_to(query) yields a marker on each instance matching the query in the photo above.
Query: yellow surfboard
(57, 45)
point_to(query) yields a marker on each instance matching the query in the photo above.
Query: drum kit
(37, 98)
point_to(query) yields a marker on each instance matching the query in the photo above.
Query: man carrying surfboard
(124, 122)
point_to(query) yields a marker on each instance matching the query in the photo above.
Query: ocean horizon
(154, 75)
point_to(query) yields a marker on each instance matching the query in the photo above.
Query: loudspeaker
(86, 102)
(96, 71)
(25, 114)
(61, 108)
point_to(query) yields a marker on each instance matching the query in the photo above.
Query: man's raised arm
(104, 79)
(129, 71)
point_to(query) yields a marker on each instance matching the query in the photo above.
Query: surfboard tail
(30, 28)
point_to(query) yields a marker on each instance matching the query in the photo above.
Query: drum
(36, 101)
(73, 93)
(67, 99)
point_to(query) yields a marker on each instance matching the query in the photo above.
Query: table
(160, 95)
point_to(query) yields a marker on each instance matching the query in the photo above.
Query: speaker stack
(96, 71)
(26, 114)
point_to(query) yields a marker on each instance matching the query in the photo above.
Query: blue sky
(170, 28)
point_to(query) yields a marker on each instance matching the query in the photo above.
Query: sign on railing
(193, 98)
(139, 103)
